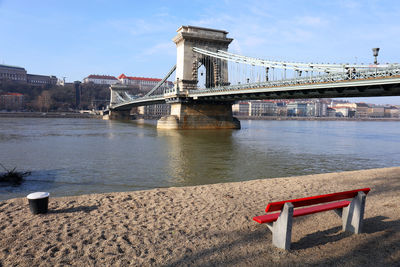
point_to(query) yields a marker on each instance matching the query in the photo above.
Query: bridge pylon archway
(194, 114)
(188, 61)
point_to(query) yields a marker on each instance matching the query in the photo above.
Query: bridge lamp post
(284, 71)
(375, 51)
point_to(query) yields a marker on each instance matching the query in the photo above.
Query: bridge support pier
(199, 116)
(122, 115)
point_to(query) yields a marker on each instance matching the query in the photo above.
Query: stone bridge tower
(188, 61)
(195, 114)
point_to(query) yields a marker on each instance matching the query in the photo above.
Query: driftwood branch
(12, 176)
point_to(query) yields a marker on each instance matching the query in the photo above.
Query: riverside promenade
(208, 225)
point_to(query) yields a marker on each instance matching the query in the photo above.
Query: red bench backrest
(308, 201)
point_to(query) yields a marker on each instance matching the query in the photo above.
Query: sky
(75, 38)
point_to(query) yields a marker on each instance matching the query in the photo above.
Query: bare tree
(44, 101)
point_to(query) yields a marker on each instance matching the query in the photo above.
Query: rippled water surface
(80, 156)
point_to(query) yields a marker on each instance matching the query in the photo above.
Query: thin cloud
(298, 35)
(350, 4)
(311, 21)
(161, 48)
(221, 21)
(140, 27)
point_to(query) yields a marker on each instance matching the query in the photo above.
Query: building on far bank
(12, 73)
(376, 112)
(101, 79)
(11, 101)
(156, 110)
(350, 106)
(392, 112)
(297, 109)
(19, 74)
(241, 109)
(344, 109)
(41, 79)
(316, 109)
(281, 107)
(142, 83)
(362, 110)
(260, 108)
(330, 112)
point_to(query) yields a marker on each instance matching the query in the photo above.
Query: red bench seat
(280, 223)
(303, 211)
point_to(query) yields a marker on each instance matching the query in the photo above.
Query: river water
(81, 156)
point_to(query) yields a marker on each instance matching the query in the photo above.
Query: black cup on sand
(38, 202)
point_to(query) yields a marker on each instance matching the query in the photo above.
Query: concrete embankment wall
(313, 118)
(47, 115)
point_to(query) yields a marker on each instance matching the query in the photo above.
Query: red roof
(14, 94)
(105, 77)
(144, 79)
(123, 76)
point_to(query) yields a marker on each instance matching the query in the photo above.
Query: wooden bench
(349, 205)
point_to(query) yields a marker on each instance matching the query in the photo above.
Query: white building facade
(101, 79)
(142, 83)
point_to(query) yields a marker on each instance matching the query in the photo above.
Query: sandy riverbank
(204, 225)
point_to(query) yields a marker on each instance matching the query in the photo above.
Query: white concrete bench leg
(282, 228)
(353, 215)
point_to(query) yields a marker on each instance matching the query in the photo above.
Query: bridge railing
(170, 91)
(326, 78)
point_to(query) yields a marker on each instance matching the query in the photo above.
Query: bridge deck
(361, 87)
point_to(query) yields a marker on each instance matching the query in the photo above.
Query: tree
(44, 101)
(63, 98)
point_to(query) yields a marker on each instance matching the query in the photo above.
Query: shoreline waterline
(76, 115)
(346, 173)
(204, 225)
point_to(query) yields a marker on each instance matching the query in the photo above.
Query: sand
(208, 225)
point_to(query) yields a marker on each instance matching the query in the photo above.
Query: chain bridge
(208, 80)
